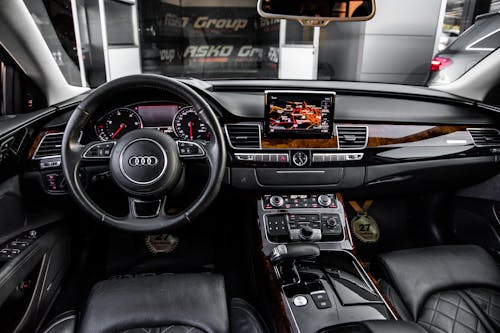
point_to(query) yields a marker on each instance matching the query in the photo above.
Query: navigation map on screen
(299, 113)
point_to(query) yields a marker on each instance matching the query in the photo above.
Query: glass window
(55, 22)
(489, 42)
(227, 39)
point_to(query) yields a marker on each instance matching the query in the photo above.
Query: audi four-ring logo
(140, 161)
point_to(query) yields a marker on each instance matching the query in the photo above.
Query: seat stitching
(456, 314)
(434, 313)
(451, 303)
(435, 310)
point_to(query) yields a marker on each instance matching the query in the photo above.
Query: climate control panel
(302, 217)
(288, 201)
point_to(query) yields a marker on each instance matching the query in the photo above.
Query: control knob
(324, 200)
(306, 232)
(332, 223)
(276, 201)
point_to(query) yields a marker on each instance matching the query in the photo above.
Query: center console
(304, 217)
(307, 240)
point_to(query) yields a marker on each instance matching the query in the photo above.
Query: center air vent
(352, 137)
(243, 136)
(485, 136)
(49, 146)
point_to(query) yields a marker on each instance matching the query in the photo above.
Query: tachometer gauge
(187, 125)
(116, 123)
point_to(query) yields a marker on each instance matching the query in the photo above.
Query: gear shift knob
(292, 252)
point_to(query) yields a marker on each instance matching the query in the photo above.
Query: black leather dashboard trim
(366, 109)
(10, 124)
(378, 172)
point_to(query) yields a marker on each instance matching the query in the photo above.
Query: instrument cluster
(177, 120)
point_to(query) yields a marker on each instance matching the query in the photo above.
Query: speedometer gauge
(187, 125)
(116, 123)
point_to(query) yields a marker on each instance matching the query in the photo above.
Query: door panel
(34, 256)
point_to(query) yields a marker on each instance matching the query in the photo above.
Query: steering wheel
(146, 164)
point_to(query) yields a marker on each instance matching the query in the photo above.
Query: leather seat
(176, 303)
(444, 289)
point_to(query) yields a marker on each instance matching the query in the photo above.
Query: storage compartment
(297, 178)
(14, 308)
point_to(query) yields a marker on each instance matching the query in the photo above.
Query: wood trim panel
(383, 135)
(378, 135)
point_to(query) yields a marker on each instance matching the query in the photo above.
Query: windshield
(414, 42)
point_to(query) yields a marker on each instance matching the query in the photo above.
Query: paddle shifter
(283, 257)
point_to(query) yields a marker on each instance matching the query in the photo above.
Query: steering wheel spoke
(97, 151)
(146, 209)
(189, 150)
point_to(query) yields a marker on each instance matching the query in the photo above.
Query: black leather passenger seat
(445, 289)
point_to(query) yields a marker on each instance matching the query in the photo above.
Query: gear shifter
(283, 257)
(292, 252)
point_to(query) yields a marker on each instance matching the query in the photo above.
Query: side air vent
(485, 136)
(352, 137)
(243, 136)
(49, 146)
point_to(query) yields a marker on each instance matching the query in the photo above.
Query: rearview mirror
(317, 12)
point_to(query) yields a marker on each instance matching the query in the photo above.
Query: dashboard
(178, 120)
(283, 136)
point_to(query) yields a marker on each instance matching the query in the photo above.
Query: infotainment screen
(299, 113)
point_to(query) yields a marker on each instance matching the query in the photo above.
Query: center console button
(300, 159)
(299, 301)
(276, 201)
(306, 232)
(324, 200)
(277, 226)
(331, 224)
(321, 299)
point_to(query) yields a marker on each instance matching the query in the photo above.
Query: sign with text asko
(207, 42)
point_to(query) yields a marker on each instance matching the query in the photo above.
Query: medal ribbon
(361, 210)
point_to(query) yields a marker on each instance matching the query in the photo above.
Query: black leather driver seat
(445, 289)
(176, 303)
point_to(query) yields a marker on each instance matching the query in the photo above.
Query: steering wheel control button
(190, 149)
(300, 159)
(99, 150)
(276, 201)
(299, 301)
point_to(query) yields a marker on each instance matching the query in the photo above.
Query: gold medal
(363, 226)
(162, 243)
